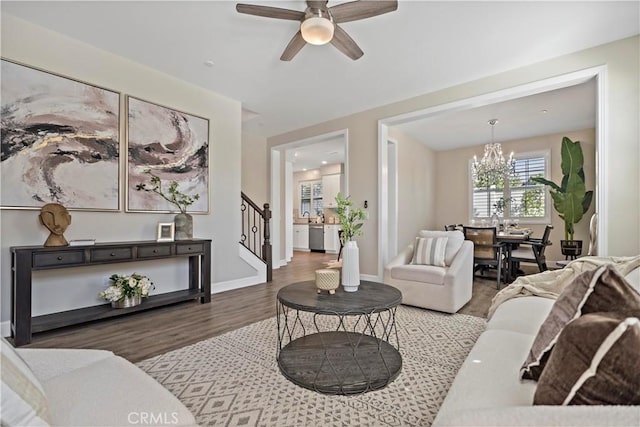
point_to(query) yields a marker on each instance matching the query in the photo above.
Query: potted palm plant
(570, 199)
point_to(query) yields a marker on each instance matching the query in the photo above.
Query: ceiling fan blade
(294, 46)
(270, 12)
(317, 4)
(356, 10)
(345, 44)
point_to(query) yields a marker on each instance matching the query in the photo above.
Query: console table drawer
(111, 254)
(153, 251)
(189, 248)
(50, 259)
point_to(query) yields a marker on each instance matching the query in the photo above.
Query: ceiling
(556, 111)
(321, 152)
(422, 47)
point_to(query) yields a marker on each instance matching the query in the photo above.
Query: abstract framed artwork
(174, 146)
(60, 141)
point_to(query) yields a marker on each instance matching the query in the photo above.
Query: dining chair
(488, 253)
(532, 251)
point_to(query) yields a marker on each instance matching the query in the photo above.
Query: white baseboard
(260, 275)
(5, 328)
(230, 285)
(370, 278)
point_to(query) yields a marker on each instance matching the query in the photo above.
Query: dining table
(512, 238)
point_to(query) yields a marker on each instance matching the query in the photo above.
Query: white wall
(622, 59)
(254, 168)
(36, 46)
(417, 180)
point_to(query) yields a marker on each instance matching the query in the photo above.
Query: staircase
(255, 231)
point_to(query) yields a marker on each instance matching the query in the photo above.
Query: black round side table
(345, 343)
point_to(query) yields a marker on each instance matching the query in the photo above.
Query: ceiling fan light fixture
(317, 30)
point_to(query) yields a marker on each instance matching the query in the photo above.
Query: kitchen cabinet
(330, 189)
(331, 240)
(301, 237)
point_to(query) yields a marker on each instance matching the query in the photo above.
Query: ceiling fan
(319, 23)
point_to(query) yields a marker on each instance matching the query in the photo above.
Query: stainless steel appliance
(316, 237)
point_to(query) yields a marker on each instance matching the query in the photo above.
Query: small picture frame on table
(166, 232)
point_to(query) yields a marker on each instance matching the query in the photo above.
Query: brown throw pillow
(603, 289)
(594, 362)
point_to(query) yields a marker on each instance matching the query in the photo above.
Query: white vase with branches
(351, 221)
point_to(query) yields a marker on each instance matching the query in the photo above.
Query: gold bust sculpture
(56, 218)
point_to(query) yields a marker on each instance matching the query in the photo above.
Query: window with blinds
(517, 197)
(311, 198)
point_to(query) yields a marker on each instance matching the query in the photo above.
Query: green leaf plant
(570, 199)
(174, 196)
(351, 219)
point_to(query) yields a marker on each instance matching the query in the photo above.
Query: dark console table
(344, 343)
(26, 259)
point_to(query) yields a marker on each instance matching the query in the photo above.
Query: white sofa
(487, 390)
(436, 288)
(98, 388)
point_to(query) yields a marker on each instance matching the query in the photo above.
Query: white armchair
(445, 288)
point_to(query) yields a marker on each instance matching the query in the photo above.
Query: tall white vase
(350, 266)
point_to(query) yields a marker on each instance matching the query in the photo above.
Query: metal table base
(345, 343)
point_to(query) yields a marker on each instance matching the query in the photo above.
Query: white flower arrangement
(127, 286)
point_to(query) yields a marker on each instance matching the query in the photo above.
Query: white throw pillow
(429, 251)
(23, 399)
(455, 239)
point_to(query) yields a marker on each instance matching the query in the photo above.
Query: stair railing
(255, 231)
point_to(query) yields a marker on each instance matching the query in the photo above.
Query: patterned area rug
(234, 379)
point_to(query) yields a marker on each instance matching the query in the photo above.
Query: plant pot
(350, 266)
(327, 279)
(571, 248)
(127, 302)
(184, 226)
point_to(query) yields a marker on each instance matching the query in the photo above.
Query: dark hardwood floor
(142, 335)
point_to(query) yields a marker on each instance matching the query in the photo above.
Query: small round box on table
(346, 343)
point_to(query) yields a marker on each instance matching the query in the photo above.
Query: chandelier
(493, 167)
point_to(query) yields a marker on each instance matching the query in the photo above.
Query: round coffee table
(345, 343)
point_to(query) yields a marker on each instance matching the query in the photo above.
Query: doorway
(559, 82)
(289, 160)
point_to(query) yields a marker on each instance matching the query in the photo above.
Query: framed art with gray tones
(172, 145)
(60, 141)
